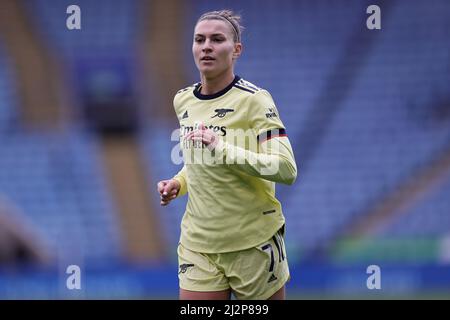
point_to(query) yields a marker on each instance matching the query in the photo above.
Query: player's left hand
(207, 136)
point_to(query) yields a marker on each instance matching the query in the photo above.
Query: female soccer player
(235, 148)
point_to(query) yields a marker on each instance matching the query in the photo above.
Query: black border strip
(271, 134)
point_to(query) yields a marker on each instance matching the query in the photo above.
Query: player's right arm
(177, 186)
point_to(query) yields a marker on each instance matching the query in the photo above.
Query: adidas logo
(185, 115)
(272, 278)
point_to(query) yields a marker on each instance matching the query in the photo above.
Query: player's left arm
(275, 160)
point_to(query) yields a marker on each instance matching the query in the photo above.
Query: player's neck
(216, 84)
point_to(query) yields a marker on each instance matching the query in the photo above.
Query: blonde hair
(228, 16)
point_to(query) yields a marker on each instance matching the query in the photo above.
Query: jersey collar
(217, 94)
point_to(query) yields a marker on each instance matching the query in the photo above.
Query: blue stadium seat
(8, 94)
(430, 218)
(157, 147)
(105, 27)
(382, 133)
(56, 180)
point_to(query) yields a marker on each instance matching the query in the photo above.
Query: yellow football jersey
(231, 190)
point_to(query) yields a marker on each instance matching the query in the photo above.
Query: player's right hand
(168, 190)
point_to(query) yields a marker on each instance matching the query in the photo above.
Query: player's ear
(237, 50)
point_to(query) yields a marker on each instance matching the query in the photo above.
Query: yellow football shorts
(255, 273)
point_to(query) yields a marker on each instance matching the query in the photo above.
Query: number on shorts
(272, 260)
(279, 246)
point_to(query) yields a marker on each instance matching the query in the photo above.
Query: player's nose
(206, 46)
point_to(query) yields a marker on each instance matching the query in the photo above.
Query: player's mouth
(207, 59)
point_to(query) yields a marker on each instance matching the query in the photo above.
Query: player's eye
(199, 40)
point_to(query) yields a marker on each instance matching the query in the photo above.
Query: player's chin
(209, 71)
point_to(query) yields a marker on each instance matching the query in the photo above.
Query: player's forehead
(208, 28)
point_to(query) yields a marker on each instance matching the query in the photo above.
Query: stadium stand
(56, 178)
(8, 96)
(430, 218)
(158, 148)
(106, 30)
(57, 181)
(384, 132)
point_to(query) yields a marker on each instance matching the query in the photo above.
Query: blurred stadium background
(85, 133)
